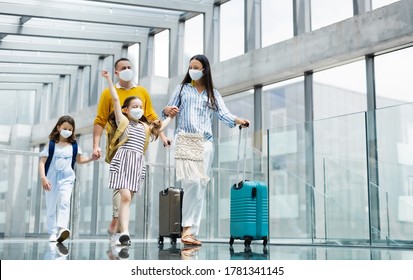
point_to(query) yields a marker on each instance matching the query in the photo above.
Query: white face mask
(126, 75)
(65, 133)
(136, 113)
(195, 74)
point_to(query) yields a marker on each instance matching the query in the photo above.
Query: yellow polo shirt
(105, 106)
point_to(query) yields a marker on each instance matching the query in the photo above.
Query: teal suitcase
(248, 209)
(249, 212)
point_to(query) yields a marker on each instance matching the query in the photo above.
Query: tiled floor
(101, 249)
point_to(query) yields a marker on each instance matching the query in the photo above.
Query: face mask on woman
(195, 74)
(65, 133)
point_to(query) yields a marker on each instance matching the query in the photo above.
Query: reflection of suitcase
(171, 253)
(249, 209)
(248, 254)
(170, 211)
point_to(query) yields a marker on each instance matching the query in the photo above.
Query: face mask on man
(195, 74)
(65, 133)
(136, 113)
(126, 75)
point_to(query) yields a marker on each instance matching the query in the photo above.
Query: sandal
(190, 240)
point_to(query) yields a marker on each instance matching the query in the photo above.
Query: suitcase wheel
(160, 240)
(173, 240)
(265, 241)
(231, 241)
(247, 242)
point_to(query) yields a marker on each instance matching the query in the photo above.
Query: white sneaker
(63, 235)
(52, 238)
(114, 237)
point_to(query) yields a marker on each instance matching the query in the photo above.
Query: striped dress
(127, 168)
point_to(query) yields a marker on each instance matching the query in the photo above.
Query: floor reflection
(101, 249)
(248, 254)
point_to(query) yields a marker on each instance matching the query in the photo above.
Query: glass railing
(319, 187)
(20, 197)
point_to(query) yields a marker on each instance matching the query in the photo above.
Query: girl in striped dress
(127, 168)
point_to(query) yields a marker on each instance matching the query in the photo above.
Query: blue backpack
(51, 152)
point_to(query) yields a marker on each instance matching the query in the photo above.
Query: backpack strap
(51, 152)
(147, 137)
(75, 148)
(113, 134)
(124, 122)
(50, 156)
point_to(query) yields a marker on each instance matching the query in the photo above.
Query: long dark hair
(153, 126)
(55, 134)
(206, 78)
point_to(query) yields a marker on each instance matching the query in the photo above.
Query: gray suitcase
(170, 212)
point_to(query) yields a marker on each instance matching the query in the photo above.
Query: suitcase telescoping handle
(167, 168)
(238, 185)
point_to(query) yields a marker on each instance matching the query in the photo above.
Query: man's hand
(97, 152)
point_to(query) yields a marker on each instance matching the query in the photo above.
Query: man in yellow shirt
(125, 88)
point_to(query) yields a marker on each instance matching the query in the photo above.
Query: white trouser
(59, 219)
(194, 193)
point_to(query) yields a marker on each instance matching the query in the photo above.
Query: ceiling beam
(89, 35)
(59, 48)
(48, 58)
(29, 79)
(20, 86)
(23, 20)
(53, 11)
(174, 5)
(38, 69)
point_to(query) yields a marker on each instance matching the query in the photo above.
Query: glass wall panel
(380, 3)
(277, 21)
(231, 29)
(19, 192)
(283, 114)
(326, 12)
(283, 103)
(287, 182)
(340, 170)
(133, 55)
(83, 194)
(395, 166)
(340, 90)
(393, 72)
(8, 111)
(241, 105)
(161, 54)
(193, 39)
(25, 107)
(17, 107)
(85, 87)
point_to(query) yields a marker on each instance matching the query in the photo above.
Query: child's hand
(47, 186)
(95, 157)
(105, 74)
